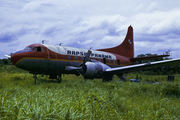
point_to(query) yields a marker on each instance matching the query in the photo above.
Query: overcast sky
(90, 23)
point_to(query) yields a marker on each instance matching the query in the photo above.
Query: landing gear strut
(59, 79)
(35, 78)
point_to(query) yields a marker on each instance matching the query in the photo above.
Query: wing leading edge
(144, 66)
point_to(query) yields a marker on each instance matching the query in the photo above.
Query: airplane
(54, 60)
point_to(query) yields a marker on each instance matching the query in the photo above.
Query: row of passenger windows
(104, 60)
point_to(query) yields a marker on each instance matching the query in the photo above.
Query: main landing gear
(35, 78)
(59, 79)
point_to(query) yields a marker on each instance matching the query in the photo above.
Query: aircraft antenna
(43, 41)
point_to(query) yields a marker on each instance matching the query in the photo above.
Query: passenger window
(76, 57)
(69, 57)
(82, 58)
(109, 61)
(114, 61)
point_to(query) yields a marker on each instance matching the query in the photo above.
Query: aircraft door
(104, 60)
(118, 61)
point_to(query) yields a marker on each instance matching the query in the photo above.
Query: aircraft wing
(144, 66)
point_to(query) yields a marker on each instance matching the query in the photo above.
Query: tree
(1, 62)
(5, 61)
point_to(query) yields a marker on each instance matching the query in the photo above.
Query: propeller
(8, 56)
(82, 68)
(85, 60)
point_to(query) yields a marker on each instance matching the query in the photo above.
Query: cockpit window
(38, 49)
(35, 49)
(28, 48)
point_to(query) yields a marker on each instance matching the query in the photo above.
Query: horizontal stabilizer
(147, 58)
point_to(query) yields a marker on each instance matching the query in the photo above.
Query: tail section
(126, 48)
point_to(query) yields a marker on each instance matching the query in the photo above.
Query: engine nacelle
(94, 69)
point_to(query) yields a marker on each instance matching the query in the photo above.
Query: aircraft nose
(15, 57)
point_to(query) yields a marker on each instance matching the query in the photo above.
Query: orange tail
(126, 48)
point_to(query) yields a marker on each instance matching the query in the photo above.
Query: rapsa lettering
(69, 52)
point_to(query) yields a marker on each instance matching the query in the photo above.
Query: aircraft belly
(25, 64)
(75, 64)
(20, 64)
(34, 65)
(46, 66)
(55, 67)
(43, 66)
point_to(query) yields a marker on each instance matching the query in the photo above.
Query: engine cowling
(94, 69)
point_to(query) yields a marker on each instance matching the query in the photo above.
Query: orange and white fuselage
(55, 60)
(50, 59)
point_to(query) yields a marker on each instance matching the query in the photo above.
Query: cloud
(85, 42)
(139, 7)
(85, 24)
(153, 6)
(13, 35)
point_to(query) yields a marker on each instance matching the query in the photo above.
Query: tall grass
(75, 99)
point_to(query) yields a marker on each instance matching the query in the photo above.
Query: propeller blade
(77, 69)
(86, 57)
(82, 68)
(8, 56)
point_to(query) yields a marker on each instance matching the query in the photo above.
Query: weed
(75, 99)
(171, 90)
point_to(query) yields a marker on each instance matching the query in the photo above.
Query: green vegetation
(75, 99)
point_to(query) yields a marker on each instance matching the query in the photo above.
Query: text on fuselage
(69, 52)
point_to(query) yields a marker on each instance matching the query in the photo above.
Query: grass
(75, 99)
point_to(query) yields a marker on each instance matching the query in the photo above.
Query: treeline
(5, 62)
(6, 66)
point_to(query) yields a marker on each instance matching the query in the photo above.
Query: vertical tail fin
(126, 48)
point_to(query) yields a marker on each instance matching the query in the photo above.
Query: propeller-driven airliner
(54, 60)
